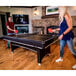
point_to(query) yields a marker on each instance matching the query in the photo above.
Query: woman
(65, 32)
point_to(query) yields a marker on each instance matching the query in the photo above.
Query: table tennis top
(36, 37)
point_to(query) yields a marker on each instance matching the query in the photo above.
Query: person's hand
(51, 30)
(54, 30)
(60, 37)
(14, 31)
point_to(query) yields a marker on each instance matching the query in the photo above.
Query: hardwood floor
(23, 59)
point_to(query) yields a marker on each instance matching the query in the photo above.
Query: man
(10, 29)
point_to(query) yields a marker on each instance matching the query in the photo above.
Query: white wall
(27, 11)
(72, 10)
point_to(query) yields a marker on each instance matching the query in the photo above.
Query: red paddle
(16, 31)
(50, 30)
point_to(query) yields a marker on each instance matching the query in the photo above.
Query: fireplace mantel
(50, 16)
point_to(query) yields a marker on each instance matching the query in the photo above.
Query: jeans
(70, 46)
(11, 34)
(8, 43)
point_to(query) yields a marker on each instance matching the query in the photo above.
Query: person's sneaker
(74, 66)
(60, 59)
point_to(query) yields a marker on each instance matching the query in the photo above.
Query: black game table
(36, 42)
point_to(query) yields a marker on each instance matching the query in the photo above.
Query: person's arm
(7, 24)
(10, 29)
(58, 29)
(69, 23)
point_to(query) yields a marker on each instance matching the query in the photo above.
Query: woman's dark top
(63, 27)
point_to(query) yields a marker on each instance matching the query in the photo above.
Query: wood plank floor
(24, 59)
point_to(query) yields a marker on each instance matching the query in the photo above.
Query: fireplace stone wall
(50, 22)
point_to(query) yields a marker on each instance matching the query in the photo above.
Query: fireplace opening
(38, 29)
(22, 29)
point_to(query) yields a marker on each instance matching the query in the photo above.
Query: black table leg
(39, 56)
(13, 47)
(41, 53)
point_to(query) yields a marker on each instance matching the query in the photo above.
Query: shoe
(74, 66)
(60, 59)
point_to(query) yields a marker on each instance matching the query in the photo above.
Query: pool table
(35, 42)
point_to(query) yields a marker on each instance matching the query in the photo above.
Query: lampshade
(36, 12)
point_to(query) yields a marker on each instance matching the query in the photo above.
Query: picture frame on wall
(51, 10)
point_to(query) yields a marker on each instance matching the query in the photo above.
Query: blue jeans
(70, 46)
(11, 34)
(8, 43)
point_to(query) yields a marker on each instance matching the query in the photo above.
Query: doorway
(3, 23)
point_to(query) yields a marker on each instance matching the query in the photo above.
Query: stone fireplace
(45, 23)
(38, 29)
(49, 22)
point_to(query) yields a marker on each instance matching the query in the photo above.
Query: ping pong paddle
(16, 31)
(50, 30)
